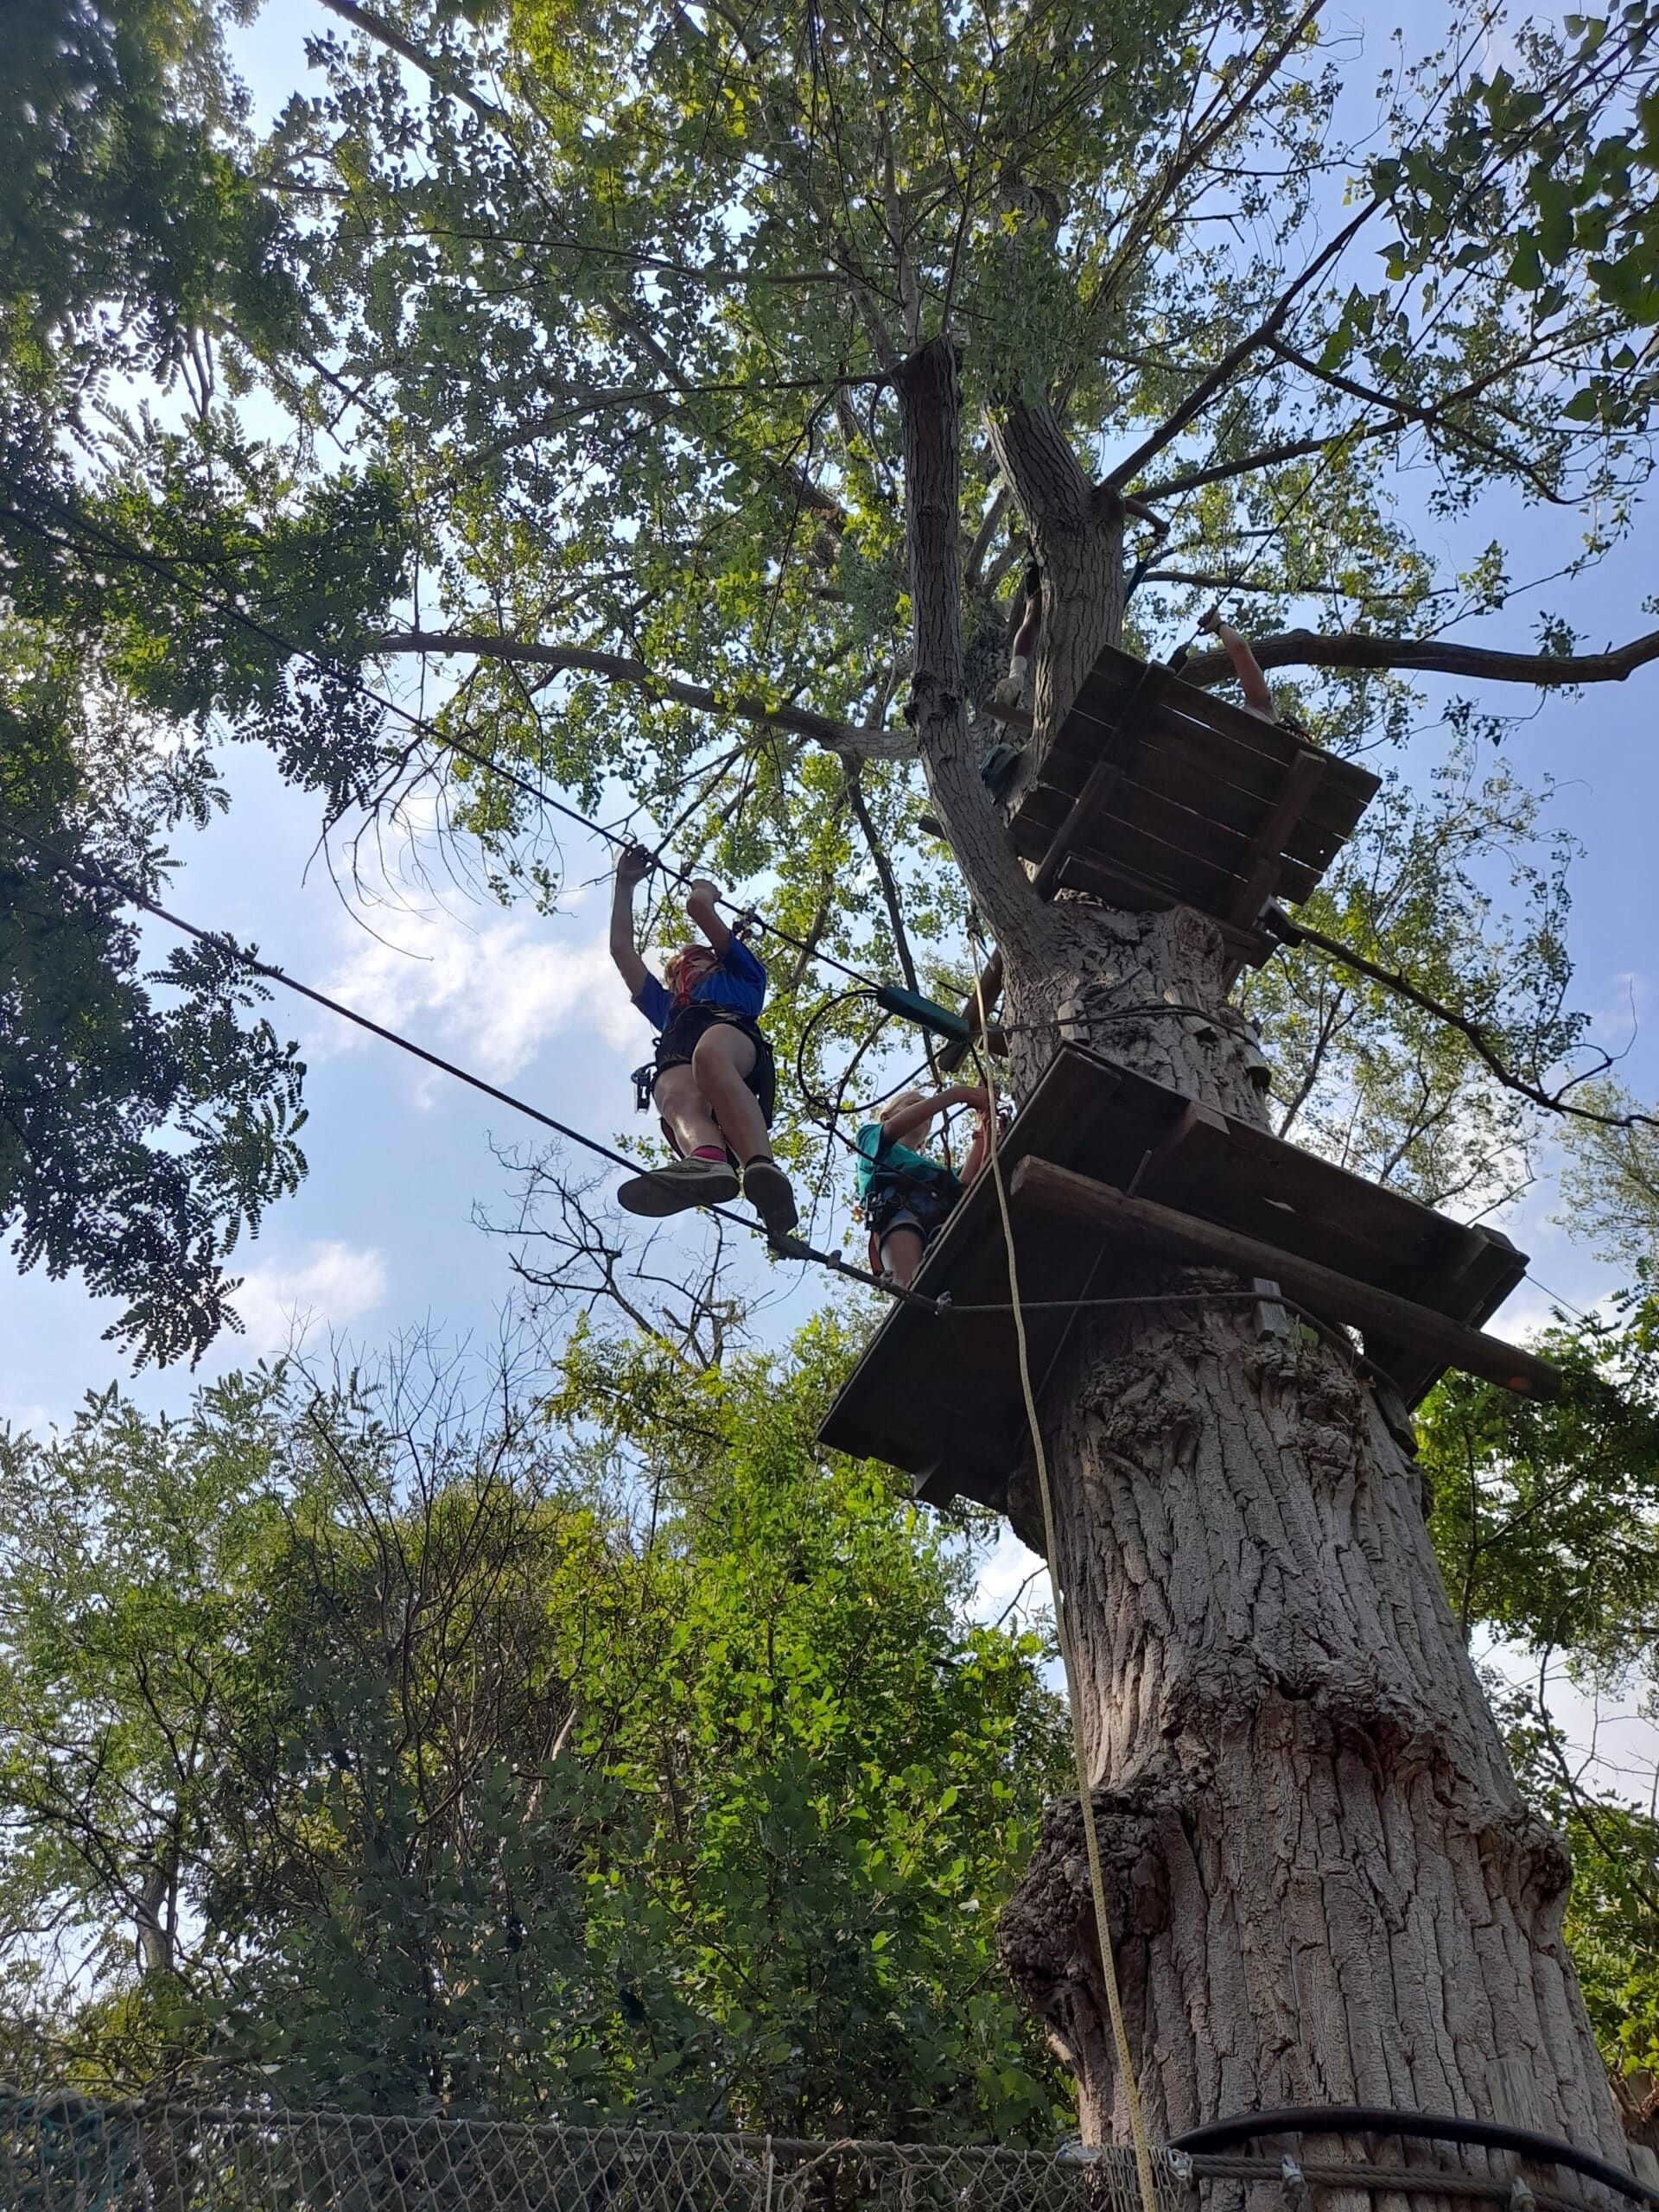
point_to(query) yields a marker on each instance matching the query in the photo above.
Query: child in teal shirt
(908, 1196)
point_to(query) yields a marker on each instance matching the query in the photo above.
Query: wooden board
(1210, 807)
(939, 1394)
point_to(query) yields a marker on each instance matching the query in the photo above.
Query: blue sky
(381, 1237)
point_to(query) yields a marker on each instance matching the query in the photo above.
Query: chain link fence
(66, 2153)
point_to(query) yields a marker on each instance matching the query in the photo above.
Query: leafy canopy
(431, 1760)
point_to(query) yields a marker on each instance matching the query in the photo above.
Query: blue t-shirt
(738, 983)
(895, 1159)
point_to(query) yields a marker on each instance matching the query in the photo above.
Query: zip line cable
(161, 565)
(790, 1248)
(92, 874)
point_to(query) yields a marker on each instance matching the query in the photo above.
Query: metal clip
(1294, 2180)
(1520, 2197)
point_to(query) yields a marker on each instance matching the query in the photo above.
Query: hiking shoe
(767, 1188)
(680, 1184)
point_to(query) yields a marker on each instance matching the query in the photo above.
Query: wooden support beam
(1104, 777)
(1192, 1117)
(1261, 865)
(1052, 1190)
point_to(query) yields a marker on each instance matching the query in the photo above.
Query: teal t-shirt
(879, 1154)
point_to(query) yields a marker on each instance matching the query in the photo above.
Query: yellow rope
(1086, 1795)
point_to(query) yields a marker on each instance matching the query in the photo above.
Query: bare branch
(1235, 356)
(1142, 220)
(619, 668)
(1549, 672)
(1264, 457)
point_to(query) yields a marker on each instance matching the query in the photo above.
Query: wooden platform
(939, 1394)
(1188, 800)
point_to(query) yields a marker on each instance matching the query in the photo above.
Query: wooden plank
(1207, 878)
(1164, 777)
(1047, 1188)
(1226, 738)
(1175, 770)
(1266, 857)
(1190, 740)
(1098, 785)
(1125, 886)
(1471, 1291)
(1114, 670)
(1180, 754)
(1155, 1162)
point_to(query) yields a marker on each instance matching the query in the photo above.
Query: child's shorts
(901, 1203)
(679, 1040)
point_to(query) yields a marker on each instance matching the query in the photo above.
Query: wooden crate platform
(939, 1394)
(1203, 805)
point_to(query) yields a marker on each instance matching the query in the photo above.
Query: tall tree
(144, 1124)
(736, 358)
(733, 361)
(399, 1741)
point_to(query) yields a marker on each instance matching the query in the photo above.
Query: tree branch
(1264, 457)
(618, 668)
(930, 407)
(1429, 415)
(1549, 672)
(375, 26)
(1187, 158)
(1235, 356)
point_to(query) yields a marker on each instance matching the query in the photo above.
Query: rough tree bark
(1326, 1888)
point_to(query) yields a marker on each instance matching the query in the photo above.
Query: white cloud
(1009, 1576)
(333, 1284)
(491, 996)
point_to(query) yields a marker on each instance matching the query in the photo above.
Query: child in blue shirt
(714, 1087)
(908, 1196)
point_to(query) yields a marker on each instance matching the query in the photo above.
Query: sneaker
(767, 1188)
(680, 1184)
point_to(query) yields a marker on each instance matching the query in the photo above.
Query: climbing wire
(168, 568)
(1143, 2165)
(789, 1248)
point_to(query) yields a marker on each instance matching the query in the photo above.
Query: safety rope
(1062, 1631)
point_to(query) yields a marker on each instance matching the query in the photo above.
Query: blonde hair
(893, 1106)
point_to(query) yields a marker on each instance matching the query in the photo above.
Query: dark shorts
(679, 1040)
(895, 1202)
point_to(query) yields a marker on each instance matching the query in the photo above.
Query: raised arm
(1011, 689)
(704, 915)
(1245, 664)
(909, 1120)
(632, 869)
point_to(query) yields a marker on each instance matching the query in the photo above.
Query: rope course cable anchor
(1528, 2143)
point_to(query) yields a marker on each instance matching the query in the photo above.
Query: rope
(1062, 1623)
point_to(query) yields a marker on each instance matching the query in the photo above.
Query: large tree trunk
(1326, 1887)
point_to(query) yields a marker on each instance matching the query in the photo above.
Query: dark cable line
(93, 873)
(791, 1248)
